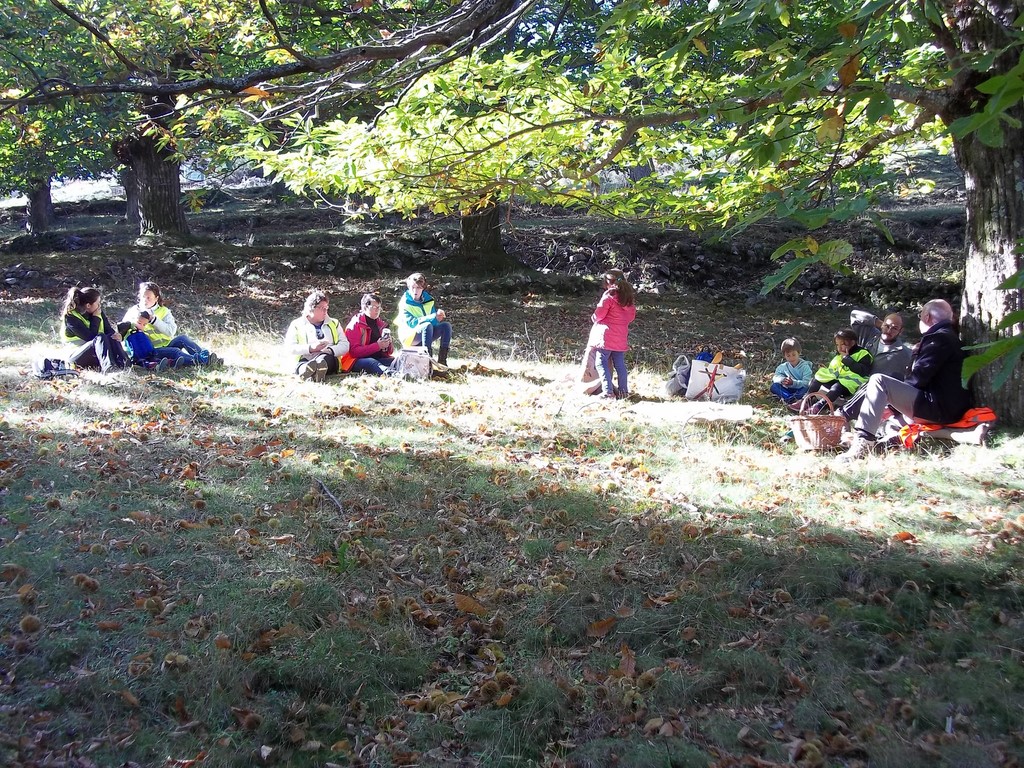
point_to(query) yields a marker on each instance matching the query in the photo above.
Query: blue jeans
(426, 334)
(787, 394)
(180, 346)
(186, 344)
(604, 371)
(375, 366)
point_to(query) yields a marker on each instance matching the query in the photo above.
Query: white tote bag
(714, 381)
(411, 363)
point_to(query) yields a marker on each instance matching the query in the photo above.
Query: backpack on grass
(138, 346)
(47, 368)
(411, 363)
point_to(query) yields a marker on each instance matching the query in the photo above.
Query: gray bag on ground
(676, 386)
(411, 363)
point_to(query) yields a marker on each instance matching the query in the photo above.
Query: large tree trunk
(130, 182)
(995, 208)
(40, 206)
(480, 248)
(995, 223)
(158, 171)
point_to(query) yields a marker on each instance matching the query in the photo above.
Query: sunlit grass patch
(488, 568)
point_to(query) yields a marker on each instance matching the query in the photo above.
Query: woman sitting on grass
(316, 339)
(156, 321)
(369, 339)
(85, 325)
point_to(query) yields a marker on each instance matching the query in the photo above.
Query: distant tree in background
(172, 59)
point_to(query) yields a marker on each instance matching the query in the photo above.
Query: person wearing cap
(419, 321)
(933, 391)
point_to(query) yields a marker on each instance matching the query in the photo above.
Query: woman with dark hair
(369, 339)
(610, 333)
(85, 325)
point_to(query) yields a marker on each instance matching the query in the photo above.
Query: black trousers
(103, 352)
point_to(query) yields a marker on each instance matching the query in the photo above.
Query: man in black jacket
(932, 390)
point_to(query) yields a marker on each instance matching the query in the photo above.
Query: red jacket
(358, 334)
(611, 324)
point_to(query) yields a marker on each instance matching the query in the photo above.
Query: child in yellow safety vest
(845, 372)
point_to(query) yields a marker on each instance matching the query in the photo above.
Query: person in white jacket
(317, 339)
(150, 316)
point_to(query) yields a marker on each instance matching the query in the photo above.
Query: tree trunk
(995, 209)
(995, 223)
(158, 171)
(130, 182)
(40, 207)
(480, 248)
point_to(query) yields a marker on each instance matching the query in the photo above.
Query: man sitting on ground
(891, 355)
(932, 392)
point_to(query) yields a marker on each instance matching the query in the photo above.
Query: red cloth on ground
(972, 418)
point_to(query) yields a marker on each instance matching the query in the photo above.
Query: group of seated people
(365, 345)
(147, 335)
(874, 371)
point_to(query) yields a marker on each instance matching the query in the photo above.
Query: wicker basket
(817, 431)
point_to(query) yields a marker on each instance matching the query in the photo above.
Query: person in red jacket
(610, 332)
(369, 339)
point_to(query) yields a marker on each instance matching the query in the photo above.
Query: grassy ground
(238, 568)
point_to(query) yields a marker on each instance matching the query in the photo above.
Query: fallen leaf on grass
(467, 604)
(11, 572)
(602, 627)
(185, 762)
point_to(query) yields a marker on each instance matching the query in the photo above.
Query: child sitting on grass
(845, 372)
(793, 376)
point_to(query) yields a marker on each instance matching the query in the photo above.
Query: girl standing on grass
(610, 332)
(157, 321)
(84, 324)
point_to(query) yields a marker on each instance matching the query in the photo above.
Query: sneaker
(860, 447)
(203, 356)
(163, 365)
(309, 370)
(321, 373)
(180, 363)
(215, 360)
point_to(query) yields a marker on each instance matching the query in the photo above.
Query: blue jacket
(412, 314)
(800, 373)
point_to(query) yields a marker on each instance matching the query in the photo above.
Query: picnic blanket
(974, 417)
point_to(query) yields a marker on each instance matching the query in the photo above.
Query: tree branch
(280, 37)
(462, 29)
(95, 31)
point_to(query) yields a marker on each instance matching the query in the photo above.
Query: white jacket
(301, 335)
